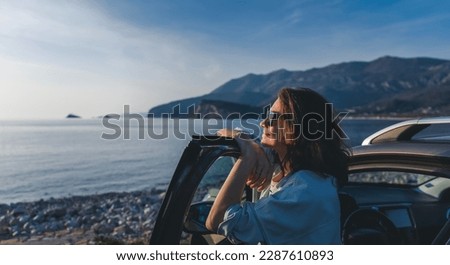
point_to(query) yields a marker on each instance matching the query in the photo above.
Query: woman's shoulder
(308, 175)
(308, 179)
(305, 173)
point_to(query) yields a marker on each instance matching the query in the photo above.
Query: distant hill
(72, 116)
(386, 86)
(227, 109)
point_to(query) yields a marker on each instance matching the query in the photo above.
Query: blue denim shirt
(303, 209)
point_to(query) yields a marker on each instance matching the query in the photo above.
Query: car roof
(410, 148)
(405, 131)
(399, 139)
(397, 147)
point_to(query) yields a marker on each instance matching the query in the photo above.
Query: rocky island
(72, 116)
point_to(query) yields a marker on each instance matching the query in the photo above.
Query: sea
(42, 159)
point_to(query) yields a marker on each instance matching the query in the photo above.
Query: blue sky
(93, 57)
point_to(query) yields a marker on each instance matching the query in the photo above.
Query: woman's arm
(252, 168)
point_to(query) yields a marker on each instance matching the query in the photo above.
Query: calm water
(60, 158)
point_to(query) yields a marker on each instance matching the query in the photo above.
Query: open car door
(202, 169)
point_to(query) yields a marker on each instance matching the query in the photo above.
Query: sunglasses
(273, 117)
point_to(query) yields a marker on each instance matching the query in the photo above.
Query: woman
(299, 203)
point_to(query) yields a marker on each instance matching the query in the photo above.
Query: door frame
(195, 161)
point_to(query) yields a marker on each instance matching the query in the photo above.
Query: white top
(302, 209)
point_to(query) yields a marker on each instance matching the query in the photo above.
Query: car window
(434, 132)
(389, 177)
(213, 179)
(207, 190)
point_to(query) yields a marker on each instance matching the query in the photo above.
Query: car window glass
(389, 177)
(434, 132)
(213, 179)
(207, 191)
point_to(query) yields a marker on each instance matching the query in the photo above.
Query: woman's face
(273, 133)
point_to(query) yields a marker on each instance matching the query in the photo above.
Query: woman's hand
(262, 168)
(226, 133)
(233, 133)
(253, 156)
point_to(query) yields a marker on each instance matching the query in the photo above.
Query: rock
(55, 213)
(5, 232)
(13, 221)
(23, 219)
(53, 226)
(3, 220)
(15, 233)
(123, 230)
(148, 224)
(39, 218)
(72, 223)
(18, 210)
(147, 211)
(103, 229)
(27, 226)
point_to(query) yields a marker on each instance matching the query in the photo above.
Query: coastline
(394, 118)
(110, 218)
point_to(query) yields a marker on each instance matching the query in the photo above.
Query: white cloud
(295, 17)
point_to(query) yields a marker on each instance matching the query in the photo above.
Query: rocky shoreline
(111, 218)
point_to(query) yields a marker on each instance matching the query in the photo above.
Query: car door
(203, 167)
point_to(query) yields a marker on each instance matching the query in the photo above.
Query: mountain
(386, 86)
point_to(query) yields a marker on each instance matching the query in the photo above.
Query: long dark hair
(310, 145)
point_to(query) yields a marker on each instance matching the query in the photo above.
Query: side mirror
(196, 218)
